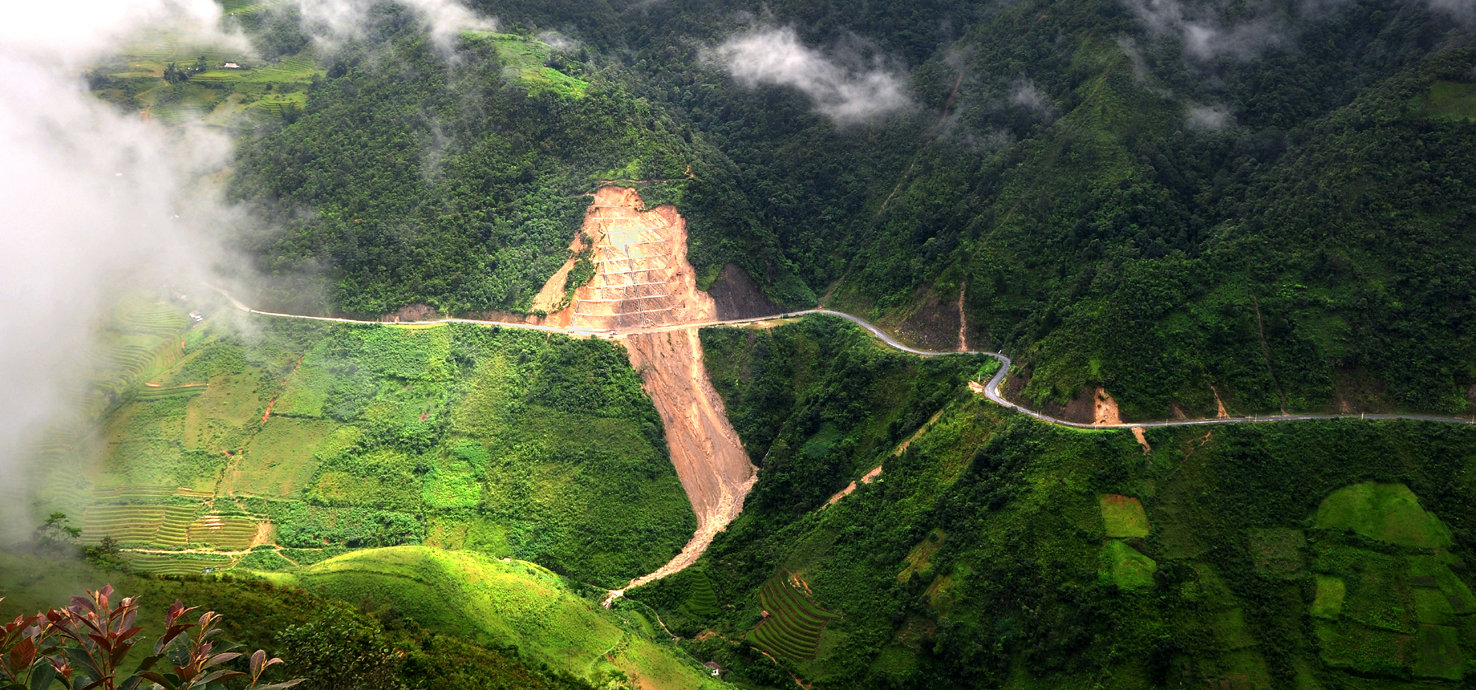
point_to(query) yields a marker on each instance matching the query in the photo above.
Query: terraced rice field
(176, 564)
(188, 390)
(174, 530)
(795, 623)
(125, 523)
(702, 599)
(223, 532)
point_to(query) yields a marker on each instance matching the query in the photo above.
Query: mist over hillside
(1091, 343)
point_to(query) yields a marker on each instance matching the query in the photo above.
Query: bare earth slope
(643, 281)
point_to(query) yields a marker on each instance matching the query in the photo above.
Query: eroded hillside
(645, 293)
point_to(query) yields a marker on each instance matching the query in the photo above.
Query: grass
(1328, 603)
(1123, 566)
(503, 603)
(1438, 653)
(1452, 100)
(1123, 516)
(527, 58)
(919, 560)
(795, 622)
(1385, 512)
(1346, 644)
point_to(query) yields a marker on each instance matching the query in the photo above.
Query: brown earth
(737, 296)
(642, 282)
(709, 458)
(642, 277)
(1107, 413)
(1220, 411)
(411, 312)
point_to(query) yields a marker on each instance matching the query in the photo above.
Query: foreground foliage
(85, 644)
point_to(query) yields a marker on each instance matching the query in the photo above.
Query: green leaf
(42, 677)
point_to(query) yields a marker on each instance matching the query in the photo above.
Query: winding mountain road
(991, 389)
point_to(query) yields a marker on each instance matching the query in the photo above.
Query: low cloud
(844, 88)
(332, 22)
(1204, 35)
(559, 42)
(1028, 96)
(1208, 118)
(95, 200)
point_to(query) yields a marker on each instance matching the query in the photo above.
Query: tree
(174, 75)
(86, 644)
(337, 650)
(56, 534)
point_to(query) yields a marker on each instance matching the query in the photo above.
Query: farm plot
(1123, 516)
(794, 624)
(174, 530)
(223, 532)
(176, 563)
(125, 523)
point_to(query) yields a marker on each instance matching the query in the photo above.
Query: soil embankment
(642, 277)
(643, 281)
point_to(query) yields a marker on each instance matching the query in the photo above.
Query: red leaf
(22, 655)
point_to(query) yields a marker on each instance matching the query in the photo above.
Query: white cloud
(1208, 118)
(1026, 95)
(94, 200)
(1204, 35)
(845, 90)
(331, 22)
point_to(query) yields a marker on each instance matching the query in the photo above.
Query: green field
(1123, 516)
(253, 92)
(1452, 100)
(506, 602)
(506, 442)
(1386, 512)
(528, 59)
(1123, 566)
(795, 622)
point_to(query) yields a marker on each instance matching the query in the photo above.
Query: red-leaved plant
(83, 647)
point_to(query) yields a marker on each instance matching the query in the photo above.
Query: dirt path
(963, 324)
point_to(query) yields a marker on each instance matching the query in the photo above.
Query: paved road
(991, 389)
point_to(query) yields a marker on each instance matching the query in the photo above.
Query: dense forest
(1272, 214)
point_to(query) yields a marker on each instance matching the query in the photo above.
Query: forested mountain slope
(1163, 199)
(996, 551)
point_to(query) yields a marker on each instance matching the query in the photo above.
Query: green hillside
(1113, 208)
(306, 440)
(1019, 554)
(509, 604)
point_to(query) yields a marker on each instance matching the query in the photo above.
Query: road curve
(991, 389)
